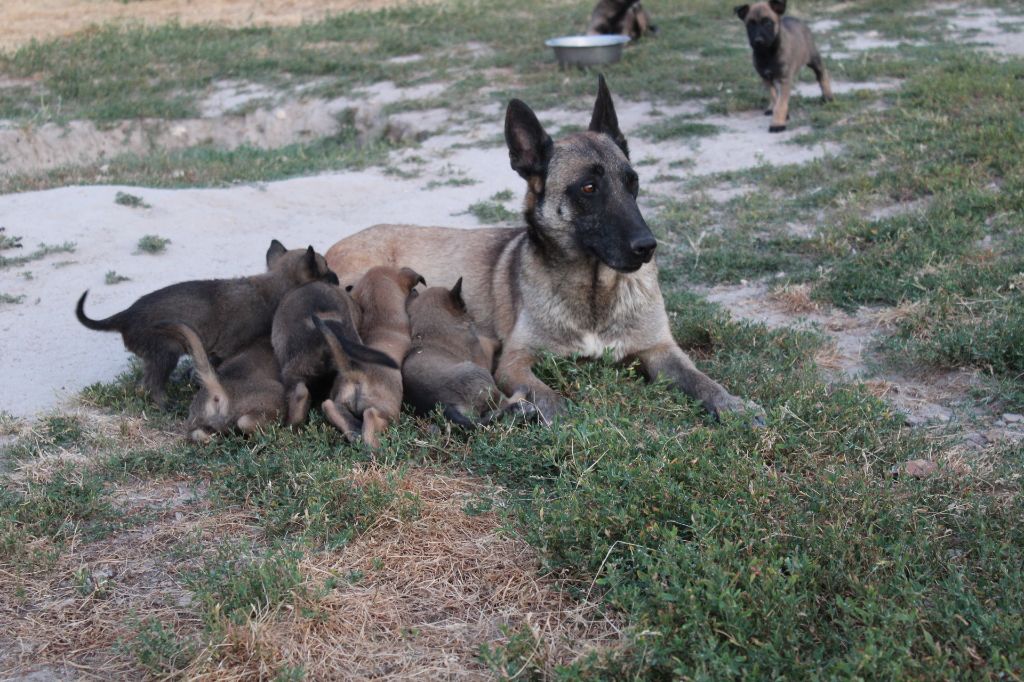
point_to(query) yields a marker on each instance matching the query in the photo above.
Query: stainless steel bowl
(587, 50)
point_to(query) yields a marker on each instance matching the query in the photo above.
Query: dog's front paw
(548, 406)
(776, 129)
(730, 404)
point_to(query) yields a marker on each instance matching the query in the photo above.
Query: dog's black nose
(643, 247)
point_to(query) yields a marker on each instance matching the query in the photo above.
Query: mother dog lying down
(579, 278)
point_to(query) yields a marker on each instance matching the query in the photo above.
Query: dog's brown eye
(589, 188)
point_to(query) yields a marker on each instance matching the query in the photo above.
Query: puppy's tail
(345, 350)
(204, 370)
(453, 414)
(109, 324)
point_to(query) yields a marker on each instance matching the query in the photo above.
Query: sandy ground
(25, 20)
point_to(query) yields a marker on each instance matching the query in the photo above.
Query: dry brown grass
(794, 299)
(435, 588)
(23, 20)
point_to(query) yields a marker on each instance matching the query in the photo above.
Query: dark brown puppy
(577, 278)
(449, 364)
(620, 17)
(307, 366)
(229, 314)
(244, 393)
(381, 295)
(782, 46)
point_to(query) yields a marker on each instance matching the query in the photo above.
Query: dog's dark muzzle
(643, 247)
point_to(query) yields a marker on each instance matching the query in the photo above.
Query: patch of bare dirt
(939, 400)
(25, 20)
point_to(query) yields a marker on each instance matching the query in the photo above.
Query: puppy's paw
(730, 404)
(776, 129)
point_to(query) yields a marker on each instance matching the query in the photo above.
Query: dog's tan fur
(229, 314)
(542, 288)
(244, 393)
(779, 61)
(381, 295)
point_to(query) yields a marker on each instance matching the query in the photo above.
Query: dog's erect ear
(275, 251)
(529, 147)
(456, 293)
(778, 6)
(604, 119)
(310, 259)
(741, 11)
(410, 278)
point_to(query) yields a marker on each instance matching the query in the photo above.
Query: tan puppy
(381, 295)
(307, 365)
(449, 364)
(782, 46)
(230, 314)
(578, 278)
(244, 393)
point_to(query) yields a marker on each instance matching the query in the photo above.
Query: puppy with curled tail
(229, 314)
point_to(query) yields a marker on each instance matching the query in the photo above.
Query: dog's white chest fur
(593, 345)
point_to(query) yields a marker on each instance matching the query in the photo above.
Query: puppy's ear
(529, 147)
(741, 11)
(778, 6)
(410, 278)
(310, 261)
(604, 120)
(275, 251)
(456, 294)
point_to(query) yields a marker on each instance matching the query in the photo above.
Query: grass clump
(153, 244)
(238, 583)
(43, 251)
(11, 300)
(677, 128)
(130, 200)
(159, 649)
(112, 278)
(492, 211)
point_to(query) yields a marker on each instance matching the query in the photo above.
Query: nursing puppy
(381, 295)
(307, 366)
(577, 278)
(228, 314)
(782, 46)
(449, 364)
(620, 17)
(244, 393)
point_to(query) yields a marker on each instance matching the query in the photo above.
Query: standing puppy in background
(782, 46)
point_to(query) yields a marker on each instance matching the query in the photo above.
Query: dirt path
(25, 20)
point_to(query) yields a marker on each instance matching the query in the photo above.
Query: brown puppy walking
(449, 364)
(228, 314)
(782, 46)
(244, 393)
(579, 278)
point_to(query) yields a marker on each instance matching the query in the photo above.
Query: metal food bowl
(587, 50)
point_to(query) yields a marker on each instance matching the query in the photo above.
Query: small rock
(1011, 418)
(920, 468)
(185, 601)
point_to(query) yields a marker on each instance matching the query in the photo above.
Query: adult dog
(579, 278)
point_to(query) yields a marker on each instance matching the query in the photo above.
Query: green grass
(492, 211)
(130, 200)
(40, 253)
(153, 244)
(8, 299)
(112, 277)
(677, 128)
